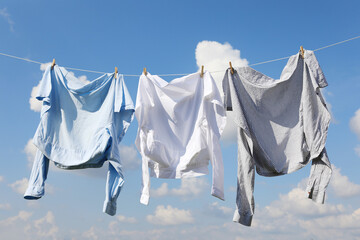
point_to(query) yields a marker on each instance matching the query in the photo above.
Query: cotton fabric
(81, 126)
(282, 125)
(180, 123)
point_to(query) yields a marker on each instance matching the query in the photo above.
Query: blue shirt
(81, 126)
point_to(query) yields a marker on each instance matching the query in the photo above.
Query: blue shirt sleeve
(45, 85)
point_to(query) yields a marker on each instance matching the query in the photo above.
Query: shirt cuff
(217, 193)
(144, 199)
(317, 196)
(110, 207)
(34, 192)
(244, 219)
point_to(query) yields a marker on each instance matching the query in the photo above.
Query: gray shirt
(282, 125)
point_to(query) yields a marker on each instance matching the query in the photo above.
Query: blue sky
(175, 37)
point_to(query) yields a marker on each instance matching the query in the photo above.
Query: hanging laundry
(282, 125)
(179, 129)
(81, 126)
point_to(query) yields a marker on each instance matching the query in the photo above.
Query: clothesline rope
(178, 74)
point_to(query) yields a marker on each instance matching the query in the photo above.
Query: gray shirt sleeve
(245, 203)
(227, 95)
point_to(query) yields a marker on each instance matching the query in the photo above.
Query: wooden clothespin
(202, 71)
(145, 72)
(116, 72)
(231, 68)
(302, 52)
(53, 64)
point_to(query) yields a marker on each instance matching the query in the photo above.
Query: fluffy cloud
(215, 56)
(341, 186)
(1, 178)
(46, 226)
(4, 13)
(190, 187)
(355, 127)
(355, 123)
(326, 94)
(357, 150)
(129, 157)
(217, 210)
(30, 151)
(114, 226)
(170, 216)
(22, 216)
(20, 185)
(22, 226)
(43, 66)
(163, 190)
(124, 219)
(91, 234)
(35, 104)
(295, 203)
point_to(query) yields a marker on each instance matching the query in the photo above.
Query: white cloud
(91, 234)
(30, 151)
(190, 187)
(4, 13)
(328, 104)
(22, 215)
(341, 186)
(355, 123)
(22, 226)
(5, 206)
(229, 134)
(357, 150)
(46, 226)
(43, 66)
(295, 203)
(20, 185)
(129, 157)
(342, 226)
(170, 216)
(215, 56)
(1, 178)
(124, 219)
(35, 104)
(114, 226)
(163, 190)
(217, 210)
(84, 79)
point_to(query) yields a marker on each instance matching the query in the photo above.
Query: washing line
(179, 74)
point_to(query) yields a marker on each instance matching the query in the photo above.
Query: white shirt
(180, 124)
